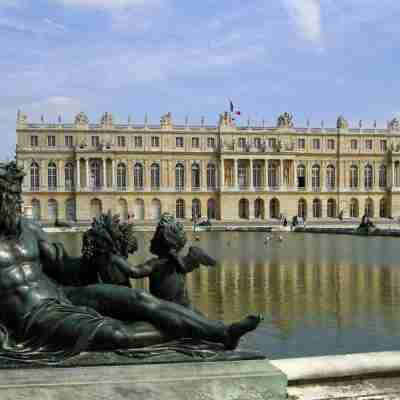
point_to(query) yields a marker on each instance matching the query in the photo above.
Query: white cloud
(306, 14)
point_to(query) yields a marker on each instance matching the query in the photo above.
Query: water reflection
(320, 294)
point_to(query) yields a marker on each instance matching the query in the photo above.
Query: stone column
(113, 176)
(61, 175)
(281, 166)
(393, 174)
(78, 174)
(235, 173)
(87, 174)
(203, 182)
(104, 160)
(251, 186)
(43, 175)
(188, 177)
(222, 175)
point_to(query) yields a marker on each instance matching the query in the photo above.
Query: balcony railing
(196, 188)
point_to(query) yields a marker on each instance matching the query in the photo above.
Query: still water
(319, 294)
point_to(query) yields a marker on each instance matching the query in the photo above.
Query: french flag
(232, 108)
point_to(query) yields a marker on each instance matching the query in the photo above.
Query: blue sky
(314, 58)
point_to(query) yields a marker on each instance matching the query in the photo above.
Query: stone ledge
(233, 380)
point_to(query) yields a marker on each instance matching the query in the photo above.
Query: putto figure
(44, 320)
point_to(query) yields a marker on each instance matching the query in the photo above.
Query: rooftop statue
(81, 119)
(285, 120)
(341, 123)
(50, 309)
(225, 119)
(166, 120)
(106, 119)
(394, 124)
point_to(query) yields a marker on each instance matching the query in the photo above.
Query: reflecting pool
(319, 294)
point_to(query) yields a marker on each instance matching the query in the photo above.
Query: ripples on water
(319, 294)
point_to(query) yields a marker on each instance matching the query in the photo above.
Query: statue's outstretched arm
(135, 271)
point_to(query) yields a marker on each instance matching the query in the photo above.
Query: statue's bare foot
(238, 329)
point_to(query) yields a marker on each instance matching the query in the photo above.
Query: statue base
(235, 376)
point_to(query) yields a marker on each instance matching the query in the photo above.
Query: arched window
(52, 176)
(301, 176)
(180, 177)
(243, 209)
(368, 171)
(69, 176)
(155, 177)
(259, 208)
(257, 174)
(316, 178)
(354, 213)
(36, 212)
(70, 210)
(382, 176)
(369, 208)
(211, 209)
(95, 208)
(331, 208)
(180, 209)
(273, 170)
(330, 177)
(138, 176)
(195, 176)
(52, 209)
(274, 208)
(353, 176)
(242, 176)
(383, 209)
(302, 209)
(35, 177)
(211, 176)
(196, 209)
(317, 208)
(121, 176)
(123, 210)
(95, 174)
(155, 211)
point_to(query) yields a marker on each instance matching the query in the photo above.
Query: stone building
(226, 172)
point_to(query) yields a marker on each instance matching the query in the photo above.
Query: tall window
(242, 143)
(211, 142)
(138, 176)
(368, 178)
(302, 209)
(257, 143)
(353, 144)
(383, 145)
(155, 141)
(121, 176)
(272, 143)
(353, 176)
(257, 174)
(68, 141)
(301, 176)
(331, 144)
(195, 142)
(330, 177)
(354, 208)
(35, 177)
(316, 144)
(51, 141)
(138, 141)
(382, 176)
(179, 141)
(155, 176)
(195, 176)
(317, 209)
(383, 209)
(179, 177)
(196, 209)
(34, 141)
(301, 143)
(397, 173)
(273, 180)
(95, 174)
(315, 177)
(242, 176)
(331, 209)
(368, 144)
(369, 208)
(95, 141)
(52, 176)
(121, 141)
(211, 176)
(69, 176)
(180, 209)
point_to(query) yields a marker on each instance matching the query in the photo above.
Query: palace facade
(224, 172)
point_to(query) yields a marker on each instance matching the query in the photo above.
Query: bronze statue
(47, 313)
(108, 243)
